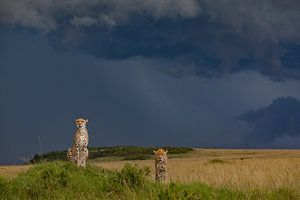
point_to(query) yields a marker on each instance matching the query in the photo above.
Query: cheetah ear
(86, 121)
(166, 151)
(154, 151)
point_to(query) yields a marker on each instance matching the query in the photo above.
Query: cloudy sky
(200, 73)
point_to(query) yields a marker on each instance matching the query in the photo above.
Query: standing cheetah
(161, 165)
(79, 151)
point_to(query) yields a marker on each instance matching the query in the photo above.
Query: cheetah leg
(85, 153)
(161, 173)
(158, 177)
(69, 154)
(164, 177)
(78, 157)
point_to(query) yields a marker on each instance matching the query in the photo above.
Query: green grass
(124, 152)
(63, 180)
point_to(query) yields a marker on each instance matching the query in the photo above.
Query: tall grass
(63, 180)
(252, 174)
(234, 173)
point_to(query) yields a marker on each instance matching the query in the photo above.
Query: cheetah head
(81, 123)
(160, 155)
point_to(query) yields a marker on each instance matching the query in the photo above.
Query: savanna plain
(197, 174)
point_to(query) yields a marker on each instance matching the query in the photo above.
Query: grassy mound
(63, 180)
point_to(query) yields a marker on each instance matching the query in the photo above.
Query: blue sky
(189, 73)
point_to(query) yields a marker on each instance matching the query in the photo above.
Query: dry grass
(241, 174)
(12, 171)
(237, 169)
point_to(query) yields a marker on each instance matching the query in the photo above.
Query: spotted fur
(161, 165)
(71, 154)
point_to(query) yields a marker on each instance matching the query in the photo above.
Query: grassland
(238, 169)
(205, 173)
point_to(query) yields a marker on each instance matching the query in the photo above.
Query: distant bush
(217, 161)
(50, 156)
(122, 151)
(127, 152)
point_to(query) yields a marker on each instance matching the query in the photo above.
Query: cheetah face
(81, 123)
(160, 155)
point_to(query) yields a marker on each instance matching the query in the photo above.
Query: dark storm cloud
(46, 15)
(127, 102)
(209, 38)
(278, 120)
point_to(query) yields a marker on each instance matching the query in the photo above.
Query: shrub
(132, 175)
(217, 161)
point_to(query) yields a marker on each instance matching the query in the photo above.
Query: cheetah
(79, 151)
(161, 165)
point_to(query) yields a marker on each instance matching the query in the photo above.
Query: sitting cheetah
(79, 151)
(161, 164)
